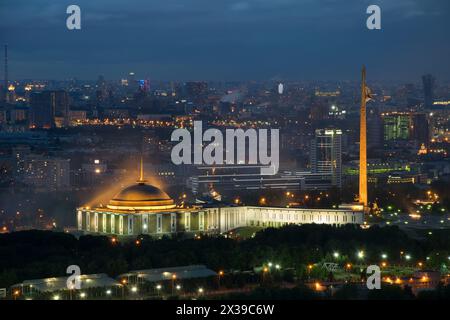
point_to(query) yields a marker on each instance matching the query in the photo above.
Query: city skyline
(224, 150)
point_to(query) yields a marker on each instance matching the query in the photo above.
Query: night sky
(226, 39)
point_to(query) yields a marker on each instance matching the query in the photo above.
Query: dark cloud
(226, 39)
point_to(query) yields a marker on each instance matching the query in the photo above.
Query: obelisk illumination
(363, 144)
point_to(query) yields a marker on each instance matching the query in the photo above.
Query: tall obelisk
(363, 144)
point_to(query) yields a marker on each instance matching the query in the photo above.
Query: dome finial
(141, 176)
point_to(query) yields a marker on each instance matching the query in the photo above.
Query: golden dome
(141, 196)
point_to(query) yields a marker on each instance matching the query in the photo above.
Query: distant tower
(280, 88)
(428, 88)
(365, 95)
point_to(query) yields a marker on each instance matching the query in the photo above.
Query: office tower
(326, 154)
(419, 128)
(396, 126)
(428, 88)
(42, 110)
(374, 128)
(49, 109)
(132, 83)
(280, 88)
(61, 103)
(365, 97)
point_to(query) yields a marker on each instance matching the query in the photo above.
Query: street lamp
(124, 282)
(219, 275)
(384, 256)
(158, 288)
(174, 277)
(361, 254)
(336, 254)
(264, 272)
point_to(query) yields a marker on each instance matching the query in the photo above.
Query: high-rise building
(131, 82)
(428, 90)
(326, 154)
(374, 128)
(280, 88)
(42, 110)
(61, 103)
(419, 128)
(49, 109)
(396, 126)
(47, 173)
(405, 126)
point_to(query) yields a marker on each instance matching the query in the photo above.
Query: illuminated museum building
(145, 209)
